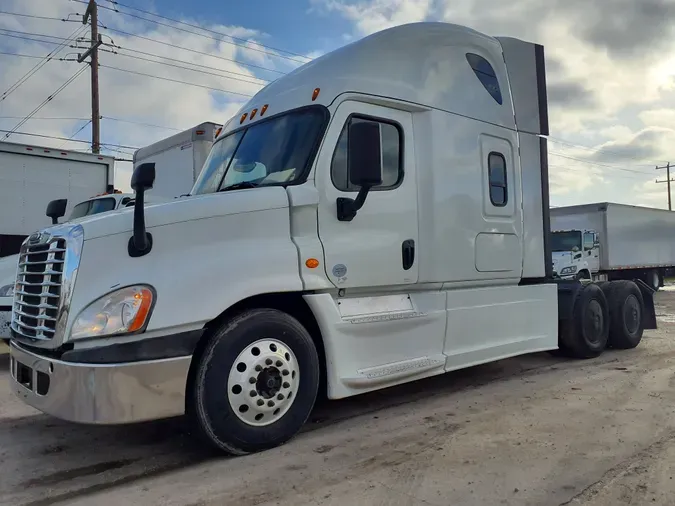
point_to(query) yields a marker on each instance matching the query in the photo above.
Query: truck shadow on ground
(58, 456)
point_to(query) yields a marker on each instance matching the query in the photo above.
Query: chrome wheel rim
(263, 381)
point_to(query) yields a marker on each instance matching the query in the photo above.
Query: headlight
(7, 290)
(120, 312)
(568, 270)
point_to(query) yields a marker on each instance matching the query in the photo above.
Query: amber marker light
(264, 109)
(315, 94)
(312, 263)
(243, 117)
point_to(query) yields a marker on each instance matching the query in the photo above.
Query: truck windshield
(273, 152)
(566, 241)
(89, 207)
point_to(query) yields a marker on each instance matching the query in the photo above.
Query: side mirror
(143, 177)
(140, 243)
(364, 162)
(56, 209)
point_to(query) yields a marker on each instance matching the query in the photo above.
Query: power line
(595, 163)
(78, 131)
(36, 34)
(202, 28)
(38, 66)
(178, 61)
(218, 39)
(66, 139)
(37, 17)
(176, 81)
(195, 51)
(140, 123)
(46, 101)
(185, 68)
(23, 55)
(46, 118)
(597, 149)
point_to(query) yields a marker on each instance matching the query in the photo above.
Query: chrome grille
(38, 291)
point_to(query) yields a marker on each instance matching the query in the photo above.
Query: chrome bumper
(100, 393)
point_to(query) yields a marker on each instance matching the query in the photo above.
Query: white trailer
(374, 217)
(613, 241)
(178, 159)
(31, 176)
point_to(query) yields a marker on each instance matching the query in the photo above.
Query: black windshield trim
(302, 178)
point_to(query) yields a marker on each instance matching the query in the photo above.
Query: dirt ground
(536, 430)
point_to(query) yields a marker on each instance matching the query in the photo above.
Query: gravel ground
(536, 430)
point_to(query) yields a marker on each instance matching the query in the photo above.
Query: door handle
(408, 253)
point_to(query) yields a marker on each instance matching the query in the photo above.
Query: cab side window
(589, 240)
(499, 194)
(392, 156)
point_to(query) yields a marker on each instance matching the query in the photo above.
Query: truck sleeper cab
(374, 217)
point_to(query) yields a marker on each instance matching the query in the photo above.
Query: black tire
(583, 275)
(586, 335)
(208, 405)
(625, 315)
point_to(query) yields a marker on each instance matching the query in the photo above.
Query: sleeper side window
(499, 194)
(486, 75)
(392, 156)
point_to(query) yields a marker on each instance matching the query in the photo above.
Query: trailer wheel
(255, 383)
(654, 279)
(625, 313)
(586, 335)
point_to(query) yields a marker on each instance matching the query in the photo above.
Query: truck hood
(186, 209)
(561, 259)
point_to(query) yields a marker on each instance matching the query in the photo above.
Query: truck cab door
(591, 251)
(379, 246)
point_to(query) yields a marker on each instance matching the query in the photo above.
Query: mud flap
(647, 291)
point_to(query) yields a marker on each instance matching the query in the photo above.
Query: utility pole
(668, 180)
(92, 12)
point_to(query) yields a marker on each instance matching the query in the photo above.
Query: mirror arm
(140, 243)
(347, 208)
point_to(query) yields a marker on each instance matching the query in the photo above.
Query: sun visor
(527, 75)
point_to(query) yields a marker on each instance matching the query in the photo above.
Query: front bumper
(100, 393)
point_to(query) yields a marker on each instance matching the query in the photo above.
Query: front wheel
(255, 383)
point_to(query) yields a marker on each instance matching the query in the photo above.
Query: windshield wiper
(239, 186)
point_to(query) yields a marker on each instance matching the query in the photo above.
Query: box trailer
(613, 241)
(31, 176)
(178, 159)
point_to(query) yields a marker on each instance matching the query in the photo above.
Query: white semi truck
(608, 241)
(30, 177)
(374, 217)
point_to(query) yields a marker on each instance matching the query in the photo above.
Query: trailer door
(29, 182)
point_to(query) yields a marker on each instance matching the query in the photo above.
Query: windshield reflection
(277, 151)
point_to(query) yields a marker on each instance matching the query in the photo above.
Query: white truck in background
(374, 217)
(31, 176)
(178, 159)
(608, 241)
